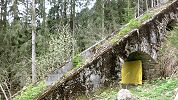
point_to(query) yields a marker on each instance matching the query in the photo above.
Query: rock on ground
(176, 94)
(124, 94)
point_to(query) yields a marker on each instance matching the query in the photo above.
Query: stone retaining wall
(104, 66)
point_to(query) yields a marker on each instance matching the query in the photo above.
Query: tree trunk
(33, 43)
(3, 92)
(135, 11)
(65, 12)
(138, 8)
(26, 16)
(152, 3)
(1, 26)
(4, 13)
(146, 4)
(71, 15)
(44, 15)
(72, 24)
(112, 17)
(128, 8)
(73, 27)
(15, 11)
(157, 2)
(7, 87)
(102, 24)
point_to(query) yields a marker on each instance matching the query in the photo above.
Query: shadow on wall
(171, 24)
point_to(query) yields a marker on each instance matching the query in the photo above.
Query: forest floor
(159, 89)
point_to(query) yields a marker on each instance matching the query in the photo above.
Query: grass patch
(146, 16)
(156, 90)
(133, 24)
(173, 36)
(160, 89)
(108, 93)
(31, 92)
(77, 60)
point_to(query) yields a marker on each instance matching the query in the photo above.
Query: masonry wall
(105, 67)
(101, 72)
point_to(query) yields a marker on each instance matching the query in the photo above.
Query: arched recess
(148, 63)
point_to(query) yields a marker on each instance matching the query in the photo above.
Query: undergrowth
(156, 90)
(31, 92)
(173, 37)
(160, 89)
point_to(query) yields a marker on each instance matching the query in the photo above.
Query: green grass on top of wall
(31, 92)
(133, 24)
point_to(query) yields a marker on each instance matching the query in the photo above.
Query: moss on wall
(133, 24)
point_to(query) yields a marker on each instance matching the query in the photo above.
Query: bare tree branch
(3, 92)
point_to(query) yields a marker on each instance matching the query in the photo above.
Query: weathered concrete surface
(103, 64)
(58, 73)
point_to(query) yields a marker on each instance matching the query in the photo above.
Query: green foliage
(133, 24)
(160, 89)
(173, 37)
(31, 92)
(58, 50)
(105, 93)
(146, 16)
(171, 43)
(14, 55)
(129, 11)
(156, 90)
(54, 38)
(77, 60)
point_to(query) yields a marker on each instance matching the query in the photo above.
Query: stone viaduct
(102, 62)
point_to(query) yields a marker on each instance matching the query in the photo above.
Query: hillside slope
(159, 89)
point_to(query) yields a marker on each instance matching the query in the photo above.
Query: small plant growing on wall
(77, 61)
